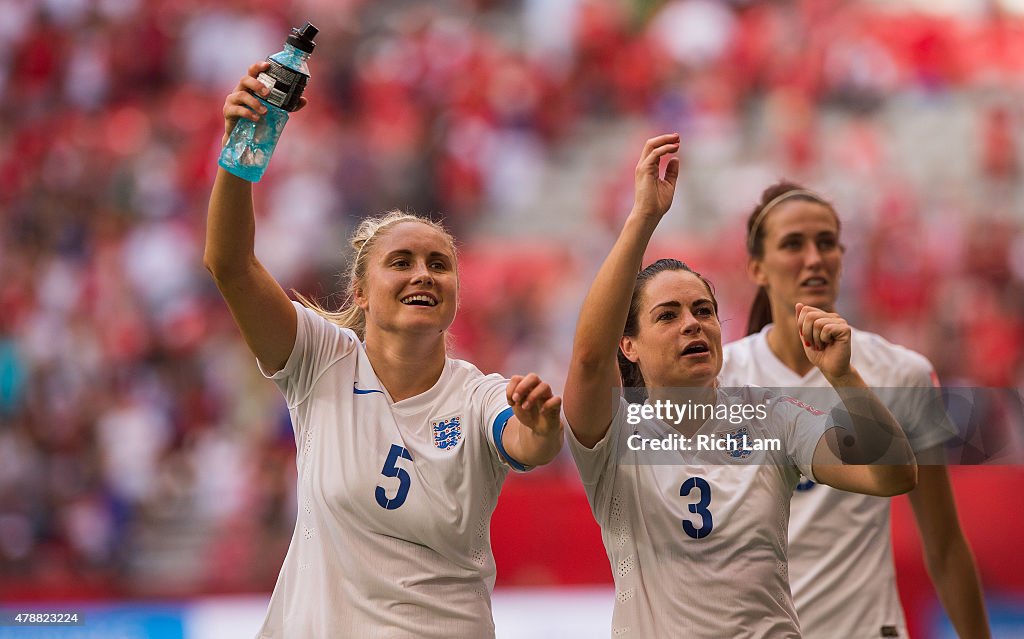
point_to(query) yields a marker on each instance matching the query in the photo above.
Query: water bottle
(250, 145)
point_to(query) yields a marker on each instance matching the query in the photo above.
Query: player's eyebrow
(700, 301)
(668, 304)
(799, 235)
(410, 253)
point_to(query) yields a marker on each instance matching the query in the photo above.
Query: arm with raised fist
(867, 452)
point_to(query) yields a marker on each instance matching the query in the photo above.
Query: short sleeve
(318, 345)
(920, 410)
(495, 412)
(802, 426)
(593, 462)
(597, 465)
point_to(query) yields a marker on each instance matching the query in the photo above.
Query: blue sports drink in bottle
(250, 145)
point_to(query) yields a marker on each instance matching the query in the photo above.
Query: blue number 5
(700, 508)
(391, 470)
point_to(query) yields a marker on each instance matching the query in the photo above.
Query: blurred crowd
(141, 452)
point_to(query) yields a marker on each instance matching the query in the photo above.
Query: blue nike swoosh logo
(360, 391)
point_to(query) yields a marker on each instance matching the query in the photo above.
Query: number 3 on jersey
(699, 508)
(391, 469)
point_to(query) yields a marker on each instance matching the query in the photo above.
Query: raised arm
(868, 453)
(259, 305)
(593, 371)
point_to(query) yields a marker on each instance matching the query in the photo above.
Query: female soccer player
(844, 584)
(697, 537)
(401, 449)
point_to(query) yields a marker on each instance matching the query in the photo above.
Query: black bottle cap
(302, 39)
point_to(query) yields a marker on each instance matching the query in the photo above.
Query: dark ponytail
(634, 387)
(761, 308)
(760, 312)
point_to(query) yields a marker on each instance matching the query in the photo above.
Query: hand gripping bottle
(251, 144)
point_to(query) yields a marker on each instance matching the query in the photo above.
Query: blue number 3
(391, 470)
(700, 508)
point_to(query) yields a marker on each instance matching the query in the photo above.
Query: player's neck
(406, 365)
(784, 341)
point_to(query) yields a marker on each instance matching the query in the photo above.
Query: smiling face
(678, 342)
(411, 283)
(801, 259)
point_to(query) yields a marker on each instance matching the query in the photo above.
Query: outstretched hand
(534, 405)
(654, 193)
(242, 102)
(826, 338)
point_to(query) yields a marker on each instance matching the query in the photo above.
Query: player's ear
(359, 297)
(755, 271)
(628, 346)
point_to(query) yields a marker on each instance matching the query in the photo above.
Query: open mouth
(814, 281)
(419, 300)
(696, 348)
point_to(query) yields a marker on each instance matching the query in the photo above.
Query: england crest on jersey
(447, 432)
(738, 443)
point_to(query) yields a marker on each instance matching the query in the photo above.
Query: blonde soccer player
(401, 449)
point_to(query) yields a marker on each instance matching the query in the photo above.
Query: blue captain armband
(498, 429)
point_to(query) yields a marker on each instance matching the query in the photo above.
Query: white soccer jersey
(392, 537)
(840, 555)
(697, 539)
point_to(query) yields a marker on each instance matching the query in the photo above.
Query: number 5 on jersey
(391, 469)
